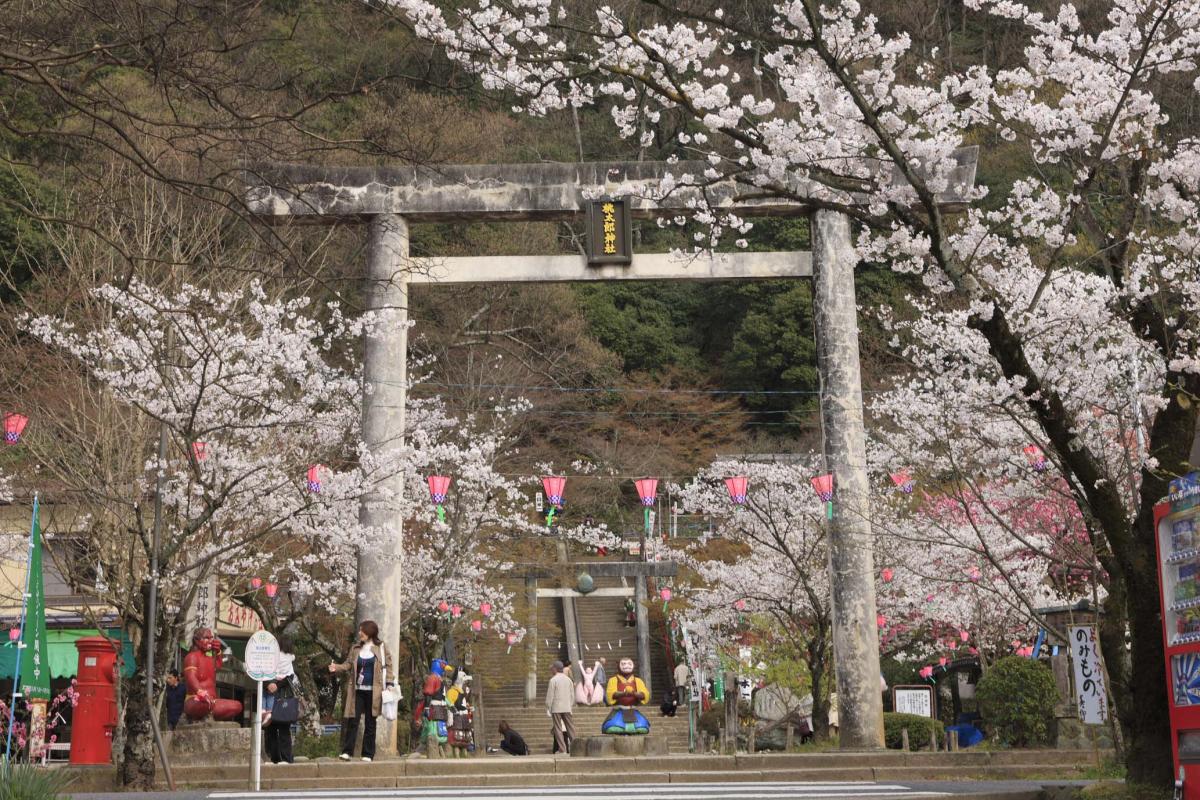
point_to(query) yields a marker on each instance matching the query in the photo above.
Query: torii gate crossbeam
(388, 199)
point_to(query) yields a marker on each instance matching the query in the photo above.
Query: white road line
(748, 790)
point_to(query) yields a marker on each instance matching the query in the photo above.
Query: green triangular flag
(35, 661)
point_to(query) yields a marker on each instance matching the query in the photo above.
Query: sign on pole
(609, 232)
(262, 656)
(913, 700)
(1090, 691)
(262, 664)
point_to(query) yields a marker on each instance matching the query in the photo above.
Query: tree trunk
(137, 767)
(310, 719)
(817, 666)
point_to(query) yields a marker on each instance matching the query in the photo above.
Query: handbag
(389, 697)
(286, 710)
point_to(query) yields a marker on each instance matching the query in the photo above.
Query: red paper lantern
(647, 489)
(456, 610)
(738, 487)
(927, 672)
(485, 608)
(739, 605)
(665, 594)
(903, 481)
(554, 486)
(443, 607)
(511, 638)
(199, 450)
(887, 573)
(14, 425)
(439, 487)
(14, 634)
(943, 661)
(1035, 456)
(256, 583)
(476, 625)
(314, 478)
(823, 486)
(880, 620)
(272, 590)
(964, 635)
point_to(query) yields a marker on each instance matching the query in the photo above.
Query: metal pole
(256, 753)
(152, 611)
(12, 706)
(851, 544)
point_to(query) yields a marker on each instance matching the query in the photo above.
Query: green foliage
(28, 782)
(918, 730)
(309, 746)
(1017, 697)
(713, 720)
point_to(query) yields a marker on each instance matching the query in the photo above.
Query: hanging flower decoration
(456, 611)
(823, 486)
(485, 608)
(554, 486)
(739, 605)
(439, 487)
(272, 590)
(476, 625)
(738, 487)
(14, 633)
(256, 583)
(647, 489)
(666, 595)
(14, 426)
(964, 635)
(200, 450)
(443, 607)
(314, 478)
(903, 481)
(943, 661)
(926, 672)
(511, 638)
(1035, 456)
(887, 573)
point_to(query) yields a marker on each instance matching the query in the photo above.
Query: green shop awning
(63, 657)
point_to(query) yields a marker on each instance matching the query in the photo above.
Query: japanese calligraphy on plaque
(609, 232)
(1089, 676)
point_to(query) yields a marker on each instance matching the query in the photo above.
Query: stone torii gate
(387, 200)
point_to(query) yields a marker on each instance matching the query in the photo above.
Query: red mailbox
(1178, 527)
(95, 715)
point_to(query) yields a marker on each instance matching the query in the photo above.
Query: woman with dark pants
(366, 665)
(278, 735)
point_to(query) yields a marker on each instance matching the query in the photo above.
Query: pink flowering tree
(1074, 287)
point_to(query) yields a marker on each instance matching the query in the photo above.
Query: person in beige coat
(367, 664)
(560, 707)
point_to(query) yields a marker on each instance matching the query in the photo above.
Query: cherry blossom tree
(1072, 288)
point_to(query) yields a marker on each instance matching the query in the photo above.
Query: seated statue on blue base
(625, 691)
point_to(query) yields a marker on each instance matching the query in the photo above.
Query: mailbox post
(95, 715)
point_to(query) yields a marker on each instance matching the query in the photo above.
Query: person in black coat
(512, 743)
(176, 695)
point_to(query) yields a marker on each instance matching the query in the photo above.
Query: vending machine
(1177, 522)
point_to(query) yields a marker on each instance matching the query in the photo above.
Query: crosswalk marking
(749, 790)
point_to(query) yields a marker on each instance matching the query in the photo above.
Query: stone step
(509, 771)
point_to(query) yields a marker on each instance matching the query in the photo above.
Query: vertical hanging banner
(1090, 691)
(202, 613)
(609, 233)
(35, 664)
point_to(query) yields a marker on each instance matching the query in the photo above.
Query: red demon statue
(200, 667)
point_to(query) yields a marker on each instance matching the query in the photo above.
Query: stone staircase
(1048, 766)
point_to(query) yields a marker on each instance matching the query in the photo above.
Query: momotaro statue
(626, 690)
(200, 667)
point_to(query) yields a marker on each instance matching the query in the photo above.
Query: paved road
(655, 791)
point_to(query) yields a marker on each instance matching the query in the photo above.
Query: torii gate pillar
(385, 372)
(851, 543)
